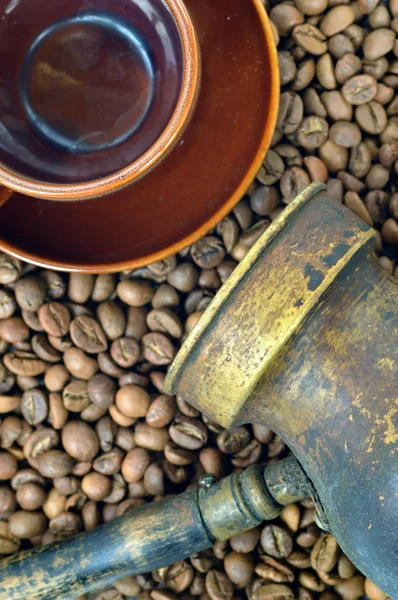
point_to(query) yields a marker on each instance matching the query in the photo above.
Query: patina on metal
(154, 536)
(303, 337)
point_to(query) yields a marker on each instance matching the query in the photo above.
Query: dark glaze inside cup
(86, 86)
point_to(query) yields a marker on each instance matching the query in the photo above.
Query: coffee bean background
(86, 433)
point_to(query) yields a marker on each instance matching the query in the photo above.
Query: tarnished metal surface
(237, 503)
(153, 536)
(305, 340)
(262, 305)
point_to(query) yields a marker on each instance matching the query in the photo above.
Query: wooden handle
(5, 194)
(154, 536)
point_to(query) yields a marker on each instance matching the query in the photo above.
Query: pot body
(304, 338)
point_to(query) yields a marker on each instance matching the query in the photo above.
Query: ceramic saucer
(195, 186)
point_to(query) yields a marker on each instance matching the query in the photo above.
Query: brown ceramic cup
(93, 94)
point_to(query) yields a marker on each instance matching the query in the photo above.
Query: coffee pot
(301, 338)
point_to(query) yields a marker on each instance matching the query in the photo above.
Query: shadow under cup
(86, 86)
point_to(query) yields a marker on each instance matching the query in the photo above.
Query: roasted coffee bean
(219, 586)
(310, 38)
(311, 581)
(373, 591)
(101, 390)
(24, 363)
(248, 455)
(150, 438)
(325, 554)
(44, 350)
(80, 287)
(232, 441)
(54, 318)
(208, 252)
(125, 352)
(26, 524)
(272, 169)
(136, 323)
(359, 89)
(335, 157)
(39, 442)
(371, 117)
(54, 464)
(340, 45)
(273, 591)
(313, 104)
(13, 330)
(79, 364)
(67, 523)
(10, 269)
(166, 321)
(132, 401)
(354, 203)
(245, 542)
(34, 406)
(378, 43)
(80, 441)
(290, 113)
(325, 72)
(30, 496)
(276, 541)
(135, 293)
(109, 463)
(293, 181)
(75, 396)
(189, 433)
(347, 67)
(96, 486)
(158, 349)
(345, 134)
(290, 515)
(184, 277)
(58, 414)
(8, 466)
(287, 67)
(112, 319)
(8, 503)
(243, 214)
(316, 168)
(7, 304)
(9, 403)
(338, 109)
(360, 160)
(103, 288)
(161, 412)
(291, 156)
(312, 133)
(239, 568)
(10, 430)
(377, 204)
(30, 293)
(377, 177)
(274, 570)
(337, 19)
(88, 335)
(286, 17)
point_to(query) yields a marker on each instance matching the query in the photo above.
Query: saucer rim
(233, 199)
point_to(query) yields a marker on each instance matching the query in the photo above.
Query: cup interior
(86, 86)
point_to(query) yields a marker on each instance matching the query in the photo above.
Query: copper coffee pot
(301, 338)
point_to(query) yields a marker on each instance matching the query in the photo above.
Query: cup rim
(164, 143)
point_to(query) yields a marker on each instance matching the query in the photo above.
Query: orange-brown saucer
(199, 181)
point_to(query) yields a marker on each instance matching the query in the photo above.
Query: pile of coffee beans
(86, 433)
(338, 118)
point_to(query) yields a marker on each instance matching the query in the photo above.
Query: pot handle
(5, 194)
